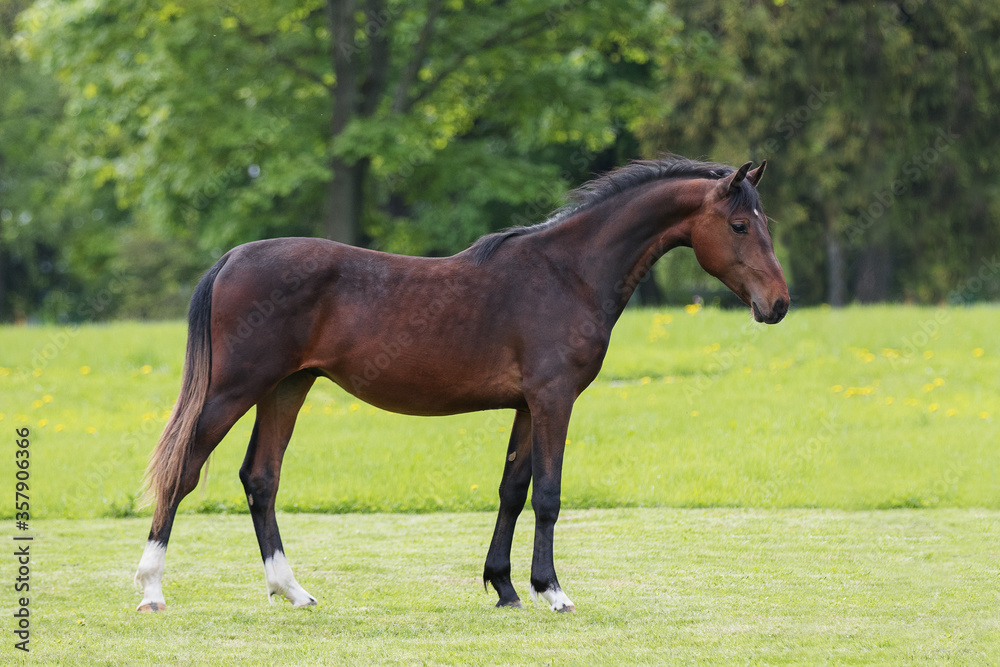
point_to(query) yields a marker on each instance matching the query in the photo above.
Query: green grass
(796, 438)
(852, 409)
(653, 586)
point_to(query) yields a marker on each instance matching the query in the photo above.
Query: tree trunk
(343, 202)
(649, 291)
(3, 301)
(835, 280)
(874, 275)
(341, 216)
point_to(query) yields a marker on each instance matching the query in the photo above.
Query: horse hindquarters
(219, 387)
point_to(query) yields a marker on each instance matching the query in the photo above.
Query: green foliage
(225, 127)
(876, 120)
(417, 126)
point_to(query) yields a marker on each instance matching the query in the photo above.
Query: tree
(875, 119)
(34, 273)
(384, 119)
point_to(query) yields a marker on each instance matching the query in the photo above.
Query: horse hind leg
(260, 474)
(217, 417)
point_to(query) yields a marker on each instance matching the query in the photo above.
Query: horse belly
(410, 382)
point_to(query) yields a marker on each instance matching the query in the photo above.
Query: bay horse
(521, 320)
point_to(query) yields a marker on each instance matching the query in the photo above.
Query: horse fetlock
(281, 581)
(148, 576)
(554, 595)
(514, 604)
(294, 593)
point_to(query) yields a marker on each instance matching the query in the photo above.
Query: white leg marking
(558, 600)
(149, 575)
(281, 581)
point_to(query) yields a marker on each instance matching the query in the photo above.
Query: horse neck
(614, 244)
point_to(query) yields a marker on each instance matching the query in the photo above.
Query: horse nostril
(780, 307)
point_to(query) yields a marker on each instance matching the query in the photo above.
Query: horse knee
(259, 486)
(513, 493)
(546, 506)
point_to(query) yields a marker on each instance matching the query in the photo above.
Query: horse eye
(739, 227)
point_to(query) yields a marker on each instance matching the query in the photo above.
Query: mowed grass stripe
(859, 408)
(653, 586)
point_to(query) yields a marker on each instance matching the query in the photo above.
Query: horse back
(409, 334)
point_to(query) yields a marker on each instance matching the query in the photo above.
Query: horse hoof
(152, 606)
(569, 609)
(515, 603)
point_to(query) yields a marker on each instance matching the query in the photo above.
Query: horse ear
(732, 181)
(754, 174)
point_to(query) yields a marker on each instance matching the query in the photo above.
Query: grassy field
(653, 586)
(852, 409)
(823, 491)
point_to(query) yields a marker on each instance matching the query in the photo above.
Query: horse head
(730, 239)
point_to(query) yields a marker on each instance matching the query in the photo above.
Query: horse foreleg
(549, 425)
(513, 494)
(260, 473)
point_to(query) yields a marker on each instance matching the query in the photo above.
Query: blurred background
(140, 140)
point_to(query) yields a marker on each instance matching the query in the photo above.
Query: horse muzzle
(773, 315)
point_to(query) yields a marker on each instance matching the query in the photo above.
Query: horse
(521, 320)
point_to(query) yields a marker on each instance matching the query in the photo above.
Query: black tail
(166, 464)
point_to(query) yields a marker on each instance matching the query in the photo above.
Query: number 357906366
(22, 462)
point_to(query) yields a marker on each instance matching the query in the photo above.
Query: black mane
(614, 183)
